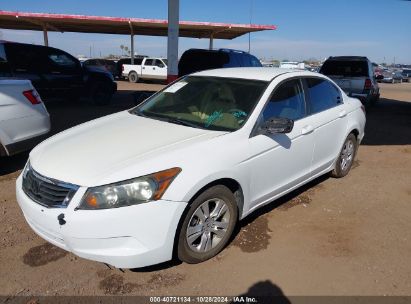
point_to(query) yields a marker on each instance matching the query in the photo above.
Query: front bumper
(127, 237)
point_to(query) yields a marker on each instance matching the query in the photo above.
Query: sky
(314, 29)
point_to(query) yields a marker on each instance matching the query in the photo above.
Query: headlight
(131, 192)
(26, 169)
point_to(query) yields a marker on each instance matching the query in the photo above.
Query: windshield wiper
(182, 122)
(168, 119)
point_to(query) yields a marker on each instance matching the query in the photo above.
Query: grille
(47, 192)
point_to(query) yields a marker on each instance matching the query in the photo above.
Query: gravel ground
(347, 236)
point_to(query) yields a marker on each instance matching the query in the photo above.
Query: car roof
(348, 58)
(253, 73)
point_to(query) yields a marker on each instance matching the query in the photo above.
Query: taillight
(368, 84)
(32, 96)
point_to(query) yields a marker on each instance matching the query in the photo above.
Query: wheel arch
(231, 184)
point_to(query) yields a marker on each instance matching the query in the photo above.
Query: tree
(122, 49)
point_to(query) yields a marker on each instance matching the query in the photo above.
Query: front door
(281, 161)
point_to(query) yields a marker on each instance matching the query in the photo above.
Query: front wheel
(208, 225)
(346, 158)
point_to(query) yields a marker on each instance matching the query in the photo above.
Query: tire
(133, 77)
(101, 93)
(344, 161)
(204, 243)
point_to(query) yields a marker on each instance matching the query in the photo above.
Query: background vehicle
(406, 74)
(194, 60)
(101, 64)
(279, 129)
(392, 77)
(137, 60)
(23, 116)
(292, 65)
(149, 68)
(355, 75)
(55, 73)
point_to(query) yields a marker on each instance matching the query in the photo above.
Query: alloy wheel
(347, 155)
(208, 225)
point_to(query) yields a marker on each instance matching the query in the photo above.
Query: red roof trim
(137, 20)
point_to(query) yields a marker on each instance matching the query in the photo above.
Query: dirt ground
(349, 236)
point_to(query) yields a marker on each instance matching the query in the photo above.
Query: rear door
(147, 69)
(329, 121)
(63, 72)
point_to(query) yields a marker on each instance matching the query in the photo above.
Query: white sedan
(24, 120)
(175, 174)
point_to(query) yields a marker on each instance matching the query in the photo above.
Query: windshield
(213, 103)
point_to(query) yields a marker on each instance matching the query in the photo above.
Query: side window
(61, 61)
(287, 101)
(25, 58)
(323, 94)
(149, 62)
(2, 53)
(255, 62)
(159, 63)
(4, 66)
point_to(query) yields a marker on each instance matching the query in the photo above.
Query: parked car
(392, 77)
(378, 74)
(55, 73)
(137, 60)
(148, 69)
(177, 172)
(101, 64)
(355, 75)
(194, 60)
(292, 65)
(406, 74)
(24, 119)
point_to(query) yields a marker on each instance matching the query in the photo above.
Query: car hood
(85, 155)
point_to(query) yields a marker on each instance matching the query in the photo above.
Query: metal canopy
(115, 25)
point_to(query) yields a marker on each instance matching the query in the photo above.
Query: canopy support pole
(210, 46)
(172, 40)
(131, 42)
(45, 36)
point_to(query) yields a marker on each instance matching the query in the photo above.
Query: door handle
(342, 114)
(307, 130)
(144, 68)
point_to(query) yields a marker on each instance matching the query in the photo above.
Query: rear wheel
(208, 225)
(133, 77)
(346, 157)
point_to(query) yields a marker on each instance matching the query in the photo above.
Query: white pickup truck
(150, 68)
(23, 117)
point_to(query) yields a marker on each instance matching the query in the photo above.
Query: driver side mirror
(276, 125)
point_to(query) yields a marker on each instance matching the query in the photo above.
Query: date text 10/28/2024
(203, 299)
